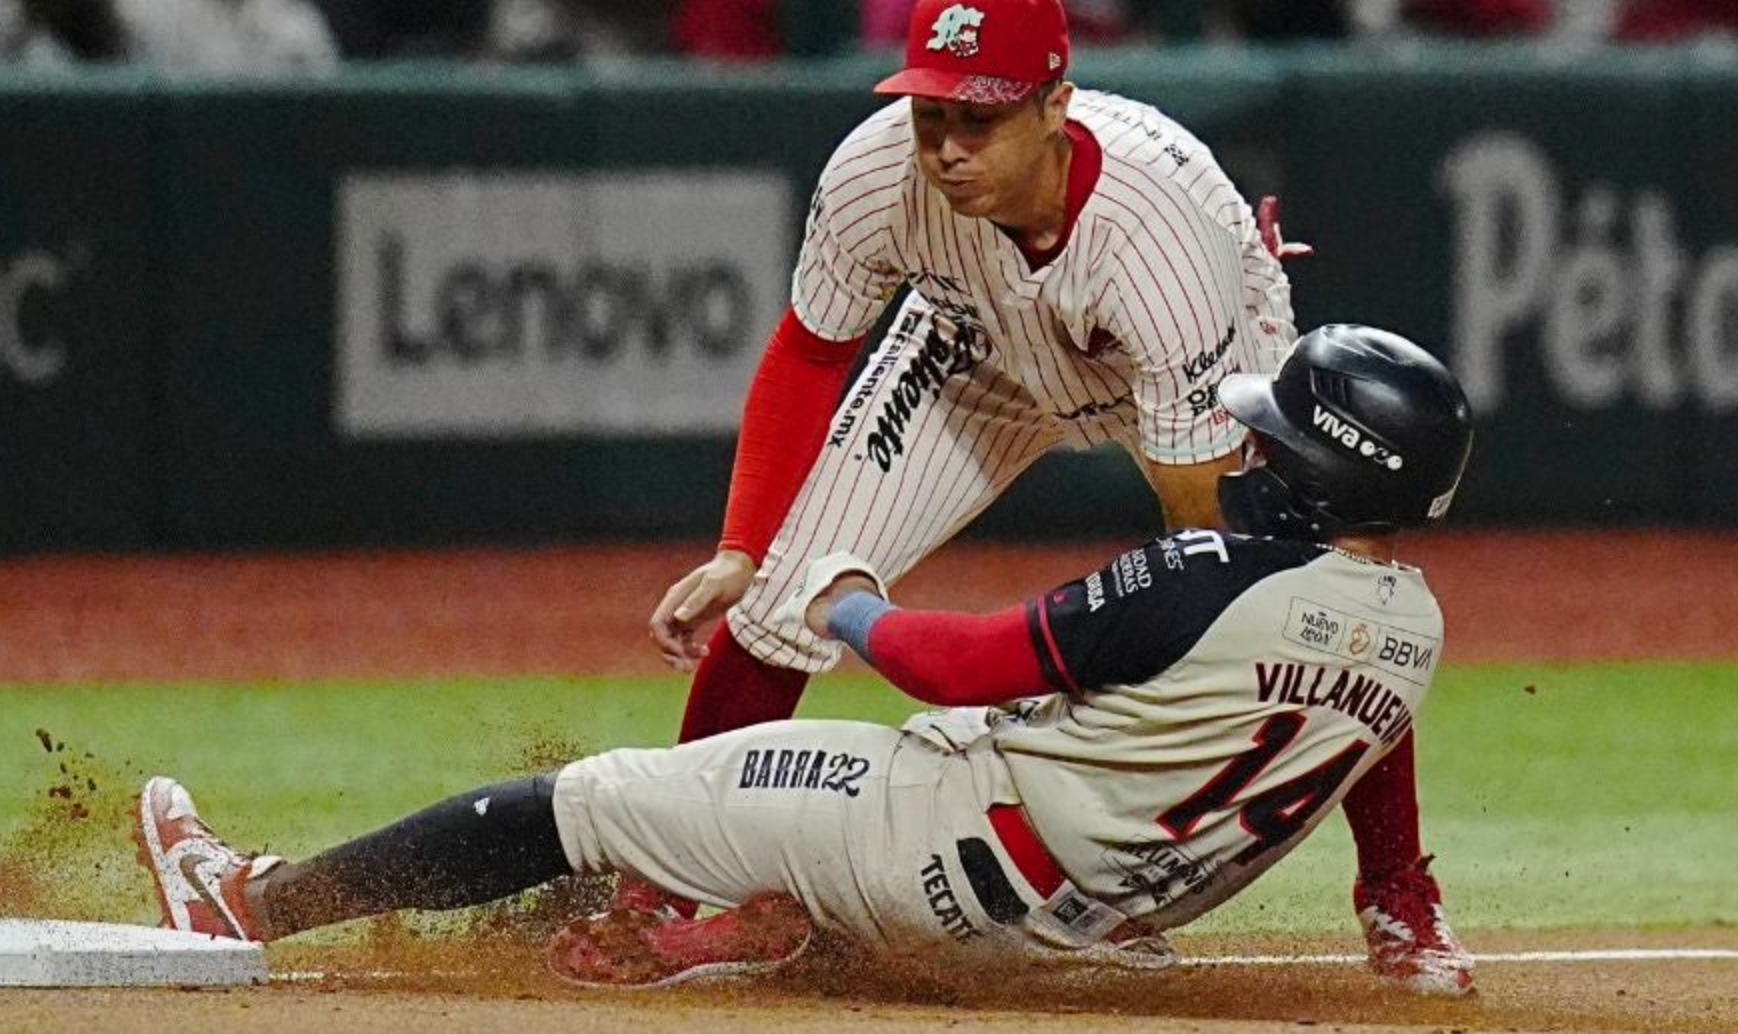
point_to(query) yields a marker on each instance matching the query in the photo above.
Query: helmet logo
(956, 31)
(1352, 438)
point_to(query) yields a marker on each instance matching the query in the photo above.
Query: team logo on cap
(956, 30)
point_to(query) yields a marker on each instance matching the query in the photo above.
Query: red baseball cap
(981, 51)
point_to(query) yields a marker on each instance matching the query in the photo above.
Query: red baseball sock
(733, 690)
(1382, 809)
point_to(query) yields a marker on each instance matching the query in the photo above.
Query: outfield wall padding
(434, 304)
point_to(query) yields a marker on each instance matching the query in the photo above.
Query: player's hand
(821, 610)
(700, 597)
(1267, 224)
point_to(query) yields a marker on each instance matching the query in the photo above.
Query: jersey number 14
(1276, 814)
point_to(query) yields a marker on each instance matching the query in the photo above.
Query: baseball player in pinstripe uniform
(1119, 756)
(1080, 271)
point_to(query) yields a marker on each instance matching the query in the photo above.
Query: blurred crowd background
(247, 37)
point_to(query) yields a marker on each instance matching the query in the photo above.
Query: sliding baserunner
(1120, 755)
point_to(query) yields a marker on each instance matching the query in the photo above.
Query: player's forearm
(784, 422)
(942, 657)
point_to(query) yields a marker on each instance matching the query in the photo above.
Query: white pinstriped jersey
(1162, 289)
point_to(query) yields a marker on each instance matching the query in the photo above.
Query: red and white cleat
(199, 879)
(638, 949)
(633, 894)
(1411, 944)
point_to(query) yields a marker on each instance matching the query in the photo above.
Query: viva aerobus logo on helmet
(1352, 438)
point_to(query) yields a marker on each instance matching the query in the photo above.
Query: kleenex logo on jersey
(1352, 438)
(1404, 654)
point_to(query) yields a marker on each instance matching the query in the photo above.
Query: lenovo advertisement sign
(505, 305)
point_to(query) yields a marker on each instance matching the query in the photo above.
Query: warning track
(1557, 596)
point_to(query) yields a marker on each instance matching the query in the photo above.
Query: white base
(51, 953)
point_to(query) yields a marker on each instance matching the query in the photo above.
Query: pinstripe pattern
(991, 364)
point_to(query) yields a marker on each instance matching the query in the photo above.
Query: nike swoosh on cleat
(193, 871)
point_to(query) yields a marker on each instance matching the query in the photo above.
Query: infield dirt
(437, 988)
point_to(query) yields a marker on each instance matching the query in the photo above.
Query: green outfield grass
(1591, 796)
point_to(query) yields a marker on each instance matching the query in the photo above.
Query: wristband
(854, 617)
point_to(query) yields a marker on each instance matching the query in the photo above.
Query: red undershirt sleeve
(981, 658)
(790, 402)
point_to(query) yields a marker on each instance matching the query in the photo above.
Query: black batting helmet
(1362, 431)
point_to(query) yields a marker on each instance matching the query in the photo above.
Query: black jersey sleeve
(1142, 612)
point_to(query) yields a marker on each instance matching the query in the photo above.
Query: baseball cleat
(633, 894)
(198, 878)
(1147, 953)
(636, 949)
(1411, 944)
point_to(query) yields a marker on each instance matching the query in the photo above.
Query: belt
(1067, 916)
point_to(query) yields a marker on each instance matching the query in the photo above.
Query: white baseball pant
(860, 823)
